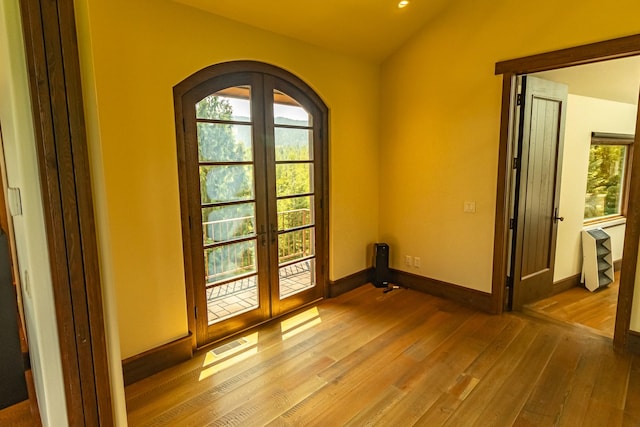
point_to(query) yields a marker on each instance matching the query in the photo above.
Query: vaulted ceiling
(374, 29)
(370, 29)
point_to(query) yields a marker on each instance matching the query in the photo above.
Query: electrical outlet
(416, 262)
(408, 259)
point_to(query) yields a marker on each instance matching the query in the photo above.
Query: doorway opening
(589, 54)
(594, 178)
(253, 181)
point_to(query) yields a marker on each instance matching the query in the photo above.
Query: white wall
(585, 115)
(31, 243)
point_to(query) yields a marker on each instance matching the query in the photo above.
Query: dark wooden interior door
(540, 142)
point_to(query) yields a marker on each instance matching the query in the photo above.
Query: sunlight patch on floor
(300, 322)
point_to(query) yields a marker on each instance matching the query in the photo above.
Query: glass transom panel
(288, 111)
(230, 104)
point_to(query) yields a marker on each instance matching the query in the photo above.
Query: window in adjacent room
(608, 176)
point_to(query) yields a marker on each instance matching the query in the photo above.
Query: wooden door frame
(61, 142)
(596, 52)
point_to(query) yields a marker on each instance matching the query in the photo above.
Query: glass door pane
(293, 141)
(228, 203)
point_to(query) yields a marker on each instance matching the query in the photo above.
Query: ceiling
(374, 29)
(615, 80)
(371, 29)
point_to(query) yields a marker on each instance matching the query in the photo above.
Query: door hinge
(515, 164)
(507, 293)
(519, 99)
(512, 223)
(195, 310)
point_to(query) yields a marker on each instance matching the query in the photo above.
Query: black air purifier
(381, 275)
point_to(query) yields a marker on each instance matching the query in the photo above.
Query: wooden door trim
(61, 143)
(595, 52)
(501, 228)
(590, 53)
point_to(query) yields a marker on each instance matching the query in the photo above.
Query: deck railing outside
(227, 261)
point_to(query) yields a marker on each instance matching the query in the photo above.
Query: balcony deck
(234, 298)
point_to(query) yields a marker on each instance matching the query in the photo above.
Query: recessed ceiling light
(402, 4)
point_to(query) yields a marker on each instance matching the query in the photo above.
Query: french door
(254, 166)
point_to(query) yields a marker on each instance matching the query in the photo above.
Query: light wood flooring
(397, 359)
(592, 310)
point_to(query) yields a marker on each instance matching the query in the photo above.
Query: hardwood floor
(397, 359)
(580, 307)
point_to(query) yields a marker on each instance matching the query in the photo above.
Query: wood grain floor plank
(632, 403)
(270, 334)
(429, 379)
(391, 362)
(371, 415)
(380, 353)
(483, 394)
(448, 403)
(581, 384)
(514, 392)
(399, 359)
(596, 310)
(546, 402)
(272, 352)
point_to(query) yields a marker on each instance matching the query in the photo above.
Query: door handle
(263, 235)
(557, 218)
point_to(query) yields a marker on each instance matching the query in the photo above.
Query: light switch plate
(470, 207)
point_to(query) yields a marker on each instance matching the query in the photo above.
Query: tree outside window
(607, 176)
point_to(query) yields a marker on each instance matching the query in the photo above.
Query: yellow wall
(139, 50)
(441, 115)
(437, 99)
